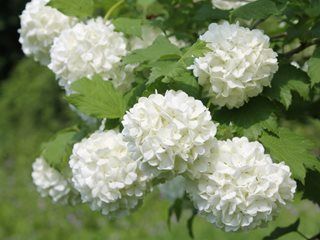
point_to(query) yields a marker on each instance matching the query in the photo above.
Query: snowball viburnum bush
(176, 110)
(49, 182)
(106, 176)
(239, 64)
(242, 187)
(169, 132)
(40, 25)
(88, 49)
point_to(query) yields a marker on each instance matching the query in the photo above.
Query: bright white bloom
(168, 133)
(243, 187)
(104, 174)
(238, 66)
(88, 49)
(230, 4)
(149, 34)
(50, 182)
(40, 24)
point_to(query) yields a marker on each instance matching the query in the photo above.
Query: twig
(278, 36)
(302, 47)
(112, 9)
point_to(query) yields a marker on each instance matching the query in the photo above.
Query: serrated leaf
(161, 48)
(57, 151)
(75, 8)
(256, 10)
(97, 98)
(293, 149)
(280, 231)
(129, 26)
(198, 49)
(251, 119)
(287, 80)
(314, 67)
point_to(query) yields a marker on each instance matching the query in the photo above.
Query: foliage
(268, 118)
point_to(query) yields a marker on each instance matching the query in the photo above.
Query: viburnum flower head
(167, 133)
(230, 4)
(40, 24)
(88, 49)
(242, 188)
(105, 175)
(238, 65)
(50, 182)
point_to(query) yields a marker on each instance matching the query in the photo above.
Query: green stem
(112, 9)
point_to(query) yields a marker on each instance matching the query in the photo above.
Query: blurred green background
(32, 108)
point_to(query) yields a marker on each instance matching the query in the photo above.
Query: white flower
(88, 49)
(40, 24)
(168, 133)
(243, 187)
(50, 182)
(149, 34)
(104, 174)
(230, 4)
(239, 64)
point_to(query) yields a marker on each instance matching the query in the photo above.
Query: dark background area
(10, 49)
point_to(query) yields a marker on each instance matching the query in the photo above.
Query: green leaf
(160, 48)
(251, 119)
(312, 187)
(134, 94)
(293, 149)
(176, 209)
(280, 231)
(314, 67)
(287, 80)
(75, 8)
(190, 223)
(97, 98)
(256, 10)
(187, 83)
(129, 26)
(57, 151)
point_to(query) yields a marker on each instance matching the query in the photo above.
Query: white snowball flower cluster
(230, 4)
(104, 174)
(88, 49)
(149, 34)
(50, 182)
(168, 133)
(239, 64)
(40, 24)
(243, 187)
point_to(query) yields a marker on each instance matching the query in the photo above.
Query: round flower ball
(242, 188)
(88, 49)
(106, 176)
(40, 24)
(50, 182)
(230, 4)
(238, 65)
(167, 133)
